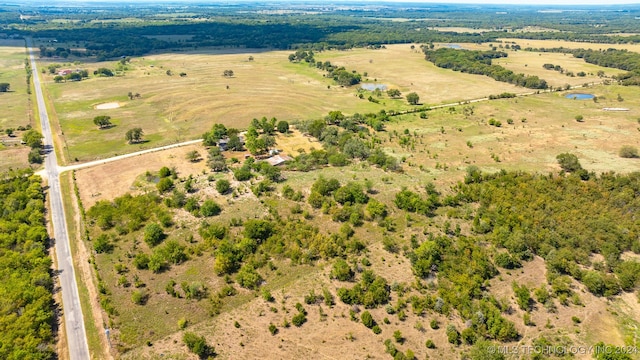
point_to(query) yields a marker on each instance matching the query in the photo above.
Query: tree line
(613, 58)
(479, 62)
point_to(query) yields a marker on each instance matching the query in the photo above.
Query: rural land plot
(531, 63)
(444, 145)
(175, 108)
(15, 104)
(549, 44)
(399, 66)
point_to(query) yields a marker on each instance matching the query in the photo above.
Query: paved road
(74, 322)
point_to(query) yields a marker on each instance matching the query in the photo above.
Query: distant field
(460, 29)
(531, 63)
(399, 66)
(14, 103)
(525, 43)
(174, 108)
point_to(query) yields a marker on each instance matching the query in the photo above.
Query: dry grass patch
(293, 142)
(530, 63)
(549, 129)
(525, 43)
(110, 180)
(14, 157)
(399, 66)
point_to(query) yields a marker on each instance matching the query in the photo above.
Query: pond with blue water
(580, 96)
(372, 87)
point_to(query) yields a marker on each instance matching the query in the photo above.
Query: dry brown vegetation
(437, 149)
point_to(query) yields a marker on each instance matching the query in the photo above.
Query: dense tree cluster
(479, 62)
(343, 138)
(26, 311)
(563, 219)
(371, 291)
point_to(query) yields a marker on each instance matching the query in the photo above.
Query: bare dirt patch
(108, 181)
(107, 106)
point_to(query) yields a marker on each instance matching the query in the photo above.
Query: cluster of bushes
(504, 95)
(413, 202)
(553, 217)
(127, 213)
(338, 73)
(479, 62)
(345, 138)
(372, 291)
(26, 310)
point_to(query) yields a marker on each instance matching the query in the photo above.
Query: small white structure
(278, 159)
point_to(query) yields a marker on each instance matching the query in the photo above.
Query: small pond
(580, 96)
(452, 46)
(372, 87)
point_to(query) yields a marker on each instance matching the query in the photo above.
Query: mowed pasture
(15, 104)
(399, 66)
(530, 63)
(173, 108)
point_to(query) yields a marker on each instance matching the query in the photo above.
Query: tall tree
(33, 139)
(102, 121)
(134, 135)
(413, 98)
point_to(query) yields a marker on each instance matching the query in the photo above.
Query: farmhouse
(65, 72)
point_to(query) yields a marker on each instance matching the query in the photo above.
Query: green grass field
(178, 108)
(15, 104)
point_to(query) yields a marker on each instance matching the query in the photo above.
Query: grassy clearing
(15, 102)
(549, 129)
(174, 108)
(531, 64)
(13, 157)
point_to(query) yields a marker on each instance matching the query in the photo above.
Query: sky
(507, 2)
(479, 2)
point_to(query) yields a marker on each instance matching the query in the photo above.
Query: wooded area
(27, 319)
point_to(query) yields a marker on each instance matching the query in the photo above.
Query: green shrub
(299, 319)
(629, 152)
(210, 208)
(153, 234)
(198, 345)
(342, 271)
(223, 186)
(367, 319)
(164, 185)
(139, 297)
